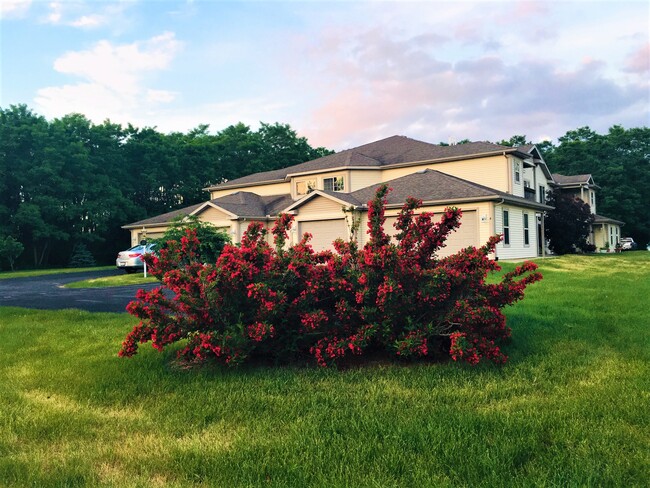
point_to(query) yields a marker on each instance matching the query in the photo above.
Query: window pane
(505, 218)
(334, 184)
(506, 235)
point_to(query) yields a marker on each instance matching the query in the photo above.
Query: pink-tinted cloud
(380, 87)
(639, 61)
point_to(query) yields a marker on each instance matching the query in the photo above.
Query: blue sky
(342, 73)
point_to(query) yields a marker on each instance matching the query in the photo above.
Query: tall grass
(569, 409)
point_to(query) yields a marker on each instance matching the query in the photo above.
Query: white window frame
(526, 230)
(338, 183)
(506, 227)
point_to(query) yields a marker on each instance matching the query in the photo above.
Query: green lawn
(108, 281)
(571, 408)
(41, 272)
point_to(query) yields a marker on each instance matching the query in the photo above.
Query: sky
(341, 73)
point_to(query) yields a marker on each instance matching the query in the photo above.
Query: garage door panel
(324, 232)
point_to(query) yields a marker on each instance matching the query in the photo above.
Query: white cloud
(87, 21)
(14, 8)
(116, 79)
(86, 15)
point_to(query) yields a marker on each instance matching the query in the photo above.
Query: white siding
(541, 182)
(516, 249)
(517, 187)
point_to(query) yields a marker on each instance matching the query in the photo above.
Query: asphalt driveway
(46, 292)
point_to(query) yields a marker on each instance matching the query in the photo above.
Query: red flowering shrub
(396, 299)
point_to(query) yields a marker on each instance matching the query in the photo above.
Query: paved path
(46, 292)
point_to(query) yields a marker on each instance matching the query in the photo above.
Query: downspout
(543, 236)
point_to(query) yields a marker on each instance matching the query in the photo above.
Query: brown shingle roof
(571, 180)
(390, 151)
(599, 219)
(164, 218)
(242, 204)
(434, 186)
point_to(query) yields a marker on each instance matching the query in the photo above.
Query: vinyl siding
(362, 179)
(516, 187)
(318, 206)
(215, 216)
(262, 190)
(540, 181)
(517, 248)
(492, 172)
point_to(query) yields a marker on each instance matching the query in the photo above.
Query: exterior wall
(493, 171)
(318, 206)
(364, 178)
(516, 166)
(591, 200)
(318, 178)
(516, 249)
(215, 216)
(540, 182)
(606, 236)
(151, 233)
(262, 190)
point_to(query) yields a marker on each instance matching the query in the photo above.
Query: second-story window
(517, 173)
(336, 183)
(305, 187)
(592, 199)
(506, 228)
(542, 194)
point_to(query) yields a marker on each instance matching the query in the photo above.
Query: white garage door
(466, 235)
(324, 232)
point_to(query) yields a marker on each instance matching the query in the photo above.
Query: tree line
(68, 182)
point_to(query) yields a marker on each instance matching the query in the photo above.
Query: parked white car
(628, 244)
(131, 259)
